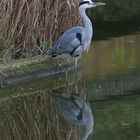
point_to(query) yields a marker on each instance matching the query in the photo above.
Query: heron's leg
(76, 68)
(76, 88)
(76, 64)
(67, 64)
(66, 74)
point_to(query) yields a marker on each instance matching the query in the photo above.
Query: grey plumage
(78, 38)
(76, 110)
(69, 43)
(71, 107)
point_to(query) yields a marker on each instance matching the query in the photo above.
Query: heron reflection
(76, 110)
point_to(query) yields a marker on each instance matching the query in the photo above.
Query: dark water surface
(110, 79)
(117, 119)
(112, 71)
(112, 57)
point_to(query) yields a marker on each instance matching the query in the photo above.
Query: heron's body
(70, 43)
(78, 38)
(76, 110)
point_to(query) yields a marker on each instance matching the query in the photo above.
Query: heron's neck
(86, 20)
(89, 122)
(88, 130)
(87, 26)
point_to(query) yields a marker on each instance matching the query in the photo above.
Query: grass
(28, 28)
(34, 117)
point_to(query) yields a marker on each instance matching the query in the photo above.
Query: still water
(117, 119)
(109, 81)
(111, 70)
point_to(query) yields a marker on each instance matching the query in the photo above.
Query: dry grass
(28, 27)
(34, 118)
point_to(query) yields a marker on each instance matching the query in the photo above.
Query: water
(112, 70)
(112, 57)
(109, 80)
(112, 67)
(117, 119)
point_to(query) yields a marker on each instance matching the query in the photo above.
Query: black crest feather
(83, 2)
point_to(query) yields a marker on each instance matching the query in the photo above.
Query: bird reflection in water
(76, 110)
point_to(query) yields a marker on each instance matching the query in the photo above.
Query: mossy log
(33, 64)
(27, 76)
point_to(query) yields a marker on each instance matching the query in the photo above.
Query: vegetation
(34, 118)
(28, 28)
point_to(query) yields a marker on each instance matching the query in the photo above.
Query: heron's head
(89, 4)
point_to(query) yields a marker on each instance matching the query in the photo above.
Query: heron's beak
(98, 3)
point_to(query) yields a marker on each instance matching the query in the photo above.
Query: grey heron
(78, 38)
(76, 110)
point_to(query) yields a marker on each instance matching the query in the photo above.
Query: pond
(111, 71)
(112, 66)
(117, 119)
(110, 81)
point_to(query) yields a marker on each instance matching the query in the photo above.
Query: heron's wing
(69, 109)
(71, 113)
(69, 41)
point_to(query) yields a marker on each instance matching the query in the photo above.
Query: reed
(34, 117)
(29, 27)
